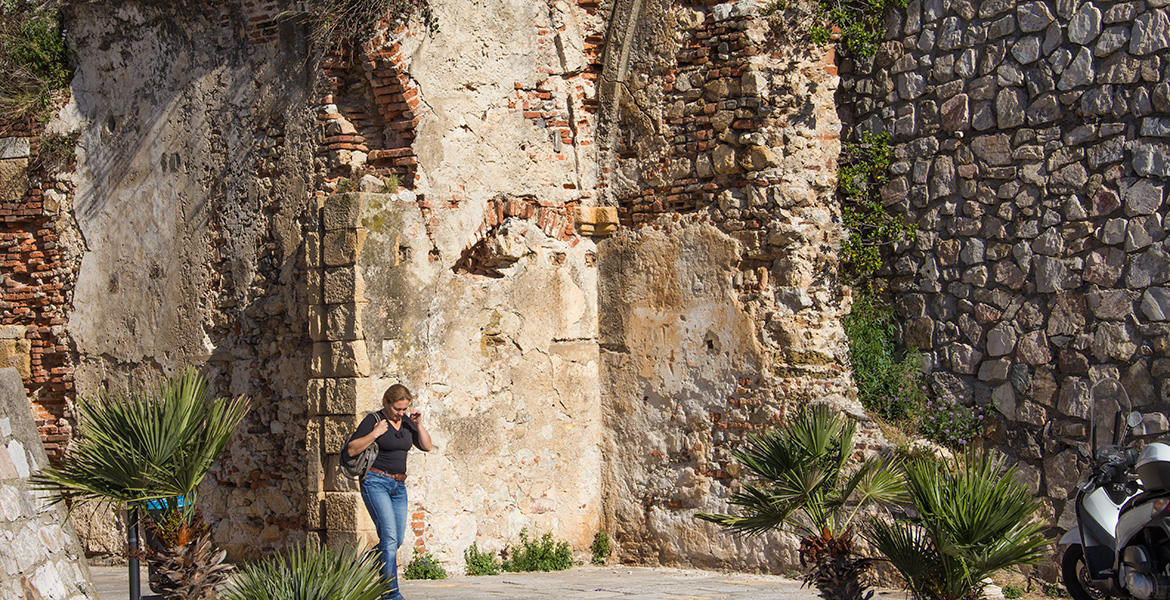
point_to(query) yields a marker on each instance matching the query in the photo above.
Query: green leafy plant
(480, 563)
(545, 554)
(889, 382)
(973, 520)
(345, 185)
(948, 421)
(1055, 590)
(311, 573)
(424, 566)
(1012, 592)
(868, 225)
(800, 482)
(147, 450)
(601, 547)
(34, 58)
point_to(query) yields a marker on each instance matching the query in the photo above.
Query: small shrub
(58, 150)
(1055, 590)
(600, 547)
(389, 184)
(346, 184)
(424, 566)
(480, 563)
(1012, 592)
(545, 554)
(948, 421)
(356, 21)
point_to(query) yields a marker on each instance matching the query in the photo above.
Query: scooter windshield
(1110, 408)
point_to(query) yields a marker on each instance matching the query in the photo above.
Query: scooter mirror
(1134, 419)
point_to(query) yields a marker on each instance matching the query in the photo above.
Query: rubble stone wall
(720, 292)
(42, 557)
(1030, 147)
(39, 268)
(190, 244)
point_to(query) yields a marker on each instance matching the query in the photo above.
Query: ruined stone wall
(1030, 148)
(471, 284)
(190, 244)
(39, 269)
(720, 293)
(572, 381)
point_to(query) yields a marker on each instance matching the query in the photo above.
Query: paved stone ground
(578, 583)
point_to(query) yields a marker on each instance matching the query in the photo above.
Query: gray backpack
(356, 467)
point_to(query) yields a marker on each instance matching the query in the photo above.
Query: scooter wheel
(1074, 573)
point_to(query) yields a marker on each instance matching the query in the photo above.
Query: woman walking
(384, 488)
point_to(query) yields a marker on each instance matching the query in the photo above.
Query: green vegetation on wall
(34, 58)
(888, 379)
(869, 226)
(857, 25)
(335, 21)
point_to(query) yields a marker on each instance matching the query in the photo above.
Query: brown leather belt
(394, 476)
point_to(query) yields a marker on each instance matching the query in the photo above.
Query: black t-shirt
(392, 445)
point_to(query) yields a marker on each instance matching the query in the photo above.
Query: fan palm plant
(311, 573)
(973, 519)
(154, 446)
(151, 451)
(801, 483)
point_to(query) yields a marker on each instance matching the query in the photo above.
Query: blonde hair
(395, 394)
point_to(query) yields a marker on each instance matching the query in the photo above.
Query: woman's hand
(382, 426)
(416, 417)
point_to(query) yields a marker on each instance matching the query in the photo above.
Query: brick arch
(369, 103)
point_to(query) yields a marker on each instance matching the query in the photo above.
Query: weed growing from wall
(949, 422)
(424, 566)
(480, 563)
(858, 25)
(356, 21)
(545, 554)
(888, 381)
(601, 548)
(34, 58)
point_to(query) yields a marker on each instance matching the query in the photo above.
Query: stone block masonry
(42, 557)
(1030, 148)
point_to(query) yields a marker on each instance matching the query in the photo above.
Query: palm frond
(132, 449)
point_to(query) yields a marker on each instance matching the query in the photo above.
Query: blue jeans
(385, 499)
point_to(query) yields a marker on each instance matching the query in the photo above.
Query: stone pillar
(339, 388)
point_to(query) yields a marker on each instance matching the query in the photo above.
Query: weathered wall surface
(190, 245)
(1030, 144)
(721, 299)
(471, 284)
(42, 557)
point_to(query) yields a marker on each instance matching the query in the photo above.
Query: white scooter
(1121, 544)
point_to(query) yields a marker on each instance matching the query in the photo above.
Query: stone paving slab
(578, 583)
